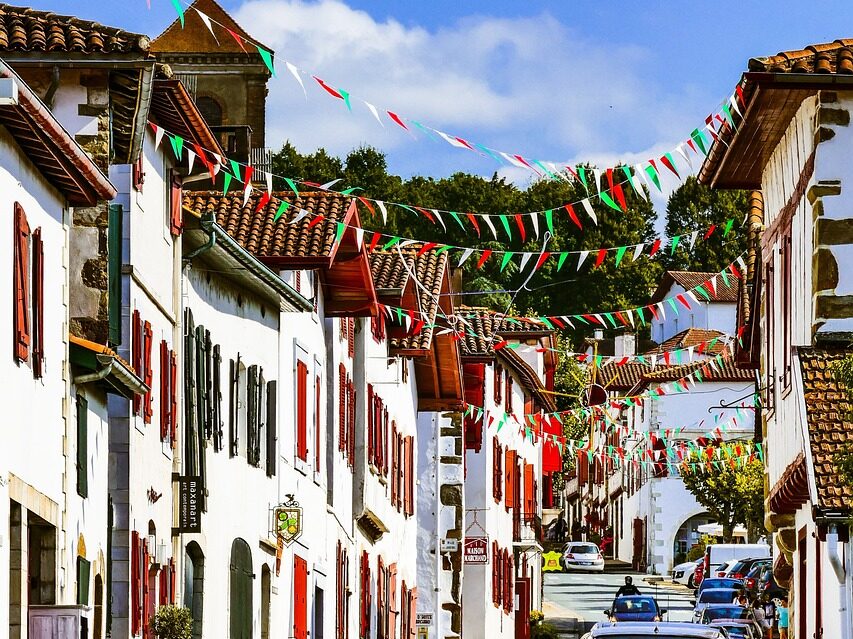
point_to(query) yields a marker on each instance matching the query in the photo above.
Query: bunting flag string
(697, 143)
(234, 171)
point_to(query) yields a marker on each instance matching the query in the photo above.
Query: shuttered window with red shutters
(509, 384)
(135, 584)
(384, 442)
(146, 591)
(496, 580)
(147, 342)
(176, 218)
(341, 594)
(342, 408)
(497, 382)
(300, 598)
(351, 336)
(351, 408)
(165, 392)
(371, 415)
(413, 611)
(395, 467)
(139, 173)
(381, 602)
(509, 473)
(509, 577)
(393, 610)
(38, 304)
(20, 279)
(529, 495)
(404, 611)
(409, 475)
(377, 327)
(317, 425)
(497, 470)
(302, 410)
(364, 604)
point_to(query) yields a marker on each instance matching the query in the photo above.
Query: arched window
(194, 585)
(240, 588)
(210, 109)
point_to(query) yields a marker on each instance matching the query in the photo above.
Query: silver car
(582, 556)
(662, 630)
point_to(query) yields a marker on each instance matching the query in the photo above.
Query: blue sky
(561, 81)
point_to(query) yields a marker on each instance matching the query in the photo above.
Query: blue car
(635, 608)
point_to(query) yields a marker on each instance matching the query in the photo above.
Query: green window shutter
(82, 446)
(114, 250)
(83, 569)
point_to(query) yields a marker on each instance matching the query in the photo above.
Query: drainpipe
(836, 560)
(211, 241)
(96, 376)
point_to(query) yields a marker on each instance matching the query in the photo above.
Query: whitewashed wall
(720, 316)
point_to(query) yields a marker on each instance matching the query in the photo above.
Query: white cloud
(531, 85)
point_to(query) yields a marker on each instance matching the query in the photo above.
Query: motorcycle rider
(628, 589)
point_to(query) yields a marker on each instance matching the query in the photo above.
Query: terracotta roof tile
(260, 234)
(24, 29)
(482, 325)
(692, 337)
(828, 410)
(691, 279)
(726, 371)
(830, 57)
(430, 269)
(625, 377)
(194, 37)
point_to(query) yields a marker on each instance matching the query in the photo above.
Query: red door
(300, 598)
(522, 612)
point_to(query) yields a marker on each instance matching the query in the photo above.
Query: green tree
(733, 496)
(695, 206)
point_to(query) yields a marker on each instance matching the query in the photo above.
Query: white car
(725, 568)
(684, 573)
(582, 556)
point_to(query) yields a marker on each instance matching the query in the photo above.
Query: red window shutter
(495, 573)
(498, 383)
(136, 353)
(163, 594)
(410, 475)
(353, 402)
(508, 393)
(38, 304)
(21, 278)
(146, 593)
(529, 500)
(173, 397)
(302, 411)
(510, 582)
(147, 335)
(339, 592)
(342, 408)
(138, 174)
(342, 327)
(351, 336)
(317, 431)
(364, 611)
(413, 611)
(165, 392)
(385, 442)
(173, 581)
(509, 496)
(300, 598)
(135, 584)
(392, 601)
(370, 417)
(395, 461)
(381, 627)
(176, 218)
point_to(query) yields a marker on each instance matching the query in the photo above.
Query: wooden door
(300, 598)
(522, 612)
(241, 590)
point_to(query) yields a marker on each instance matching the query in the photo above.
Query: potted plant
(536, 617)
(172, 622)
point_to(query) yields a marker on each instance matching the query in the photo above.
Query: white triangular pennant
(488, 221)
(359, 237)
(512, 160)
(534, 218)
(581, 258)
(207, 23)
(247, 193)
(597, 177)
(440, 219)
(712, 284)
(525, 257)
(328, 185)
(693, 237)
(302, 214)
(384, 211)
(662, 310)
(374, 112)
(451, 140)
(190, 161)
(589, 210)
(295, 73)
(638, 251)
(158, 136)
(465, 255)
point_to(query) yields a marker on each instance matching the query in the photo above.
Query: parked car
(583, 556)
(684, 574)
(717, 554)
(699, 573)
(741, 569)
(713, 597)
(723, 569)
(635, 608)
(719, 582)
(663, 630)
(753, 578)
(736, 629)
(769, 587)
(731, 612)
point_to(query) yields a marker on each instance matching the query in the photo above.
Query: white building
(717, 314)
(54, 547)
(504, 479)
(797, 308)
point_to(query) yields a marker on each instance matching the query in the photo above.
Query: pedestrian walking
(766, 624)
(782, 618)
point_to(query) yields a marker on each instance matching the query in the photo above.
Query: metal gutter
(143, 107)
(112, 366)
(253, 265)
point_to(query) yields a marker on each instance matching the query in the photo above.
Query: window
(497, 574)
(82, 446)
(409, 476)
(364, 590)
(176, 219)
(139, 173)
(142, 338)
(509, 474)
(529, 493)
(317, 427)
(38, 304)
(21, 277)
(381, 602)
(342, 409)
(255, 387)
(787, 310)
(497, 470)
(498, 383)
(302, 411)
(342, 594)
(272, 430)
(409, 605)
(395, 467)
(377, 328)
(300, 598)
(769, 334)
(509, 576)
(351, 337)
(166, 393)
(114, 262)
(509, 382)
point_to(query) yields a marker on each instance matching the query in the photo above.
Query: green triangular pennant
(177, 145)
(292, 186)
(608, 201)
(227, 182)
(620, 253)
(267, 58)
(549, 220)
(505, 222)
(506, 259)
(281, 209)
(562, 260)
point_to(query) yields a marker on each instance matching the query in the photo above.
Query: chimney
(624, 345)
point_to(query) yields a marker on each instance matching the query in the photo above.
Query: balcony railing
(526, 527)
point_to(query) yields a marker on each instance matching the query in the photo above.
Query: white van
(717, 554)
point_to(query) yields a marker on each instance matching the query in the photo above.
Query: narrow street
(573, 601)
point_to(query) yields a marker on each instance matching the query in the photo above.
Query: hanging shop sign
(476, 550)
(189, 510)
(288, 521)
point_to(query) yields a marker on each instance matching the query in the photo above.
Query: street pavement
(585, 596)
